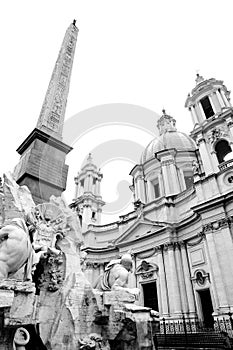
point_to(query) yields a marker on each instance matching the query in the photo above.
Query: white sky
(128, 51)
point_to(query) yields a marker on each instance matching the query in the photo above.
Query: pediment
(139, 229)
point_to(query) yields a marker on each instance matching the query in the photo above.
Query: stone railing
(225, 165)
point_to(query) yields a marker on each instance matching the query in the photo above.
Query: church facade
(180, 233)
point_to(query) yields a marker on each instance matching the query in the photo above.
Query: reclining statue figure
(116, 275)
(15, 249)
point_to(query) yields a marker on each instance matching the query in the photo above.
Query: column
(212, 103)
(168, 280)
(150, 191)
(187, 280)
(202, 113)
(213, 284)
(98, 187)
(216, 101)
(86, 184)
(174, 281)
(215, 161)
(101, 268)
(76, 190)
(205, 157)
(162, 285)
(183, 294)
(216, 270)
(175, 186)
(165, 179)
(194, 115)
(98, 219)
(79, 189)
(136, 184)
(89, 184)
(161, 185)
(93, 187)
(220, 99)
(227, 103)
(141, 188)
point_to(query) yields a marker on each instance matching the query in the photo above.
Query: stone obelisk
(42, 164)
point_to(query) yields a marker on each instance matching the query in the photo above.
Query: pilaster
(163, 285)
(187, 280)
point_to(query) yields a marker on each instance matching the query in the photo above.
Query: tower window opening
(80, 220)
(188, 179)
(207, 108)
(223, 151)
(82, 183)
(156, 189)
(93, 215)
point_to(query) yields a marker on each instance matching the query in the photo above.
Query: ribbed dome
(170, 139)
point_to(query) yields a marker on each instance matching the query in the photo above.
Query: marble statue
(15, 249)
(21, 338)
(116, 275)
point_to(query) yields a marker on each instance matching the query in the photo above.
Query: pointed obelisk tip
(74, 22)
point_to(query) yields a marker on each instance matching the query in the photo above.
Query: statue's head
(127, 261)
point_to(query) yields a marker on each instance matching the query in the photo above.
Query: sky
(143, 53)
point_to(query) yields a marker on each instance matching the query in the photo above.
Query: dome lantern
(166, 123)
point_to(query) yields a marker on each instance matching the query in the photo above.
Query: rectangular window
(207, 108)
(156, 190)
(188, 179)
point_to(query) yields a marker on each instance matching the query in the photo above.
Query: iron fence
(195, 333)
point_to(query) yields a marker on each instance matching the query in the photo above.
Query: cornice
(37, 134)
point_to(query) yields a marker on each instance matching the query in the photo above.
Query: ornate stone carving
(49, 224)
(21, 338)
(200, 277)
(138, 207)
(201, 236)
(196, 167)
(216, 134)
(146, 270)
(93, 341)
(53, 272)
(216, 225)
(92, 265)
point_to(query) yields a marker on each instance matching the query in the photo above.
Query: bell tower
(212, 116)
(88, 201)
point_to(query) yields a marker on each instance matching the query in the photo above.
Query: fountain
(46, 301)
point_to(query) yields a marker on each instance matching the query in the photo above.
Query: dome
(170, 139)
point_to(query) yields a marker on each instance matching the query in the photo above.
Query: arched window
(222, 148)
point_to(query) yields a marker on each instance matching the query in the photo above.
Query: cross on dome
(199, 78)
